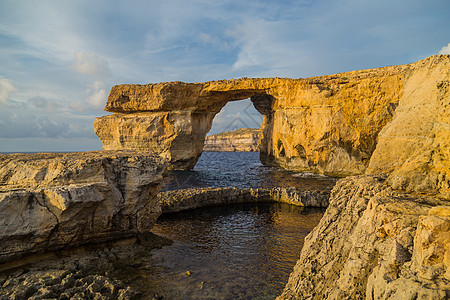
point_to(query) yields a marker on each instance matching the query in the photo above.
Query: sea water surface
(243, 170)
(244, 251)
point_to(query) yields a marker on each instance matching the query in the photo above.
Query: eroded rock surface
(244, 139)
(375, 243)
(387, 236)
(327, 124)
(61, 200)
(414, 149)
(101, 271)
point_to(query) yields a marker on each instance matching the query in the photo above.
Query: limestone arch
(172, 119)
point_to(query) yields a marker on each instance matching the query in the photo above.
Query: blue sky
(59, 59)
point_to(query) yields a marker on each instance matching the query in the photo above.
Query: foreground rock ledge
(50, 201)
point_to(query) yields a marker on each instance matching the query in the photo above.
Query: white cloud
(6, 88)
(90, 63)
(445, 49)
(95, 100)
(215, 41)
(98, 96)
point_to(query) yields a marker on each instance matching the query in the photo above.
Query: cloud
(235, 115)
(6, 88)
(98, 94)
(44, 103)
(445, 49)
(90, 64)
(96, 99)
(29, 125)
(215, 41)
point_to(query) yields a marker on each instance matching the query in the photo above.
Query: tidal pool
(244, 251)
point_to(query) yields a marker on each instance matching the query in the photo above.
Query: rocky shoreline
(375, 242)
(96, 270)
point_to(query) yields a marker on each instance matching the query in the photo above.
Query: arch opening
(236, 115)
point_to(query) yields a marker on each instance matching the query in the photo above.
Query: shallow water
(242, 170)
(244, 251)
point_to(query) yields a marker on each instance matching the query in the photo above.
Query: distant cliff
(241, 140)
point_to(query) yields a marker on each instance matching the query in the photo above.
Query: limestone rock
(54, 200)
(99, 271)
(375, 243)
(415, 147)
(176, 136)
(327, 124)
(244, 139)
(185, 199)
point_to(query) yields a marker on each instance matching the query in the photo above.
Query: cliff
(50, 201)
(375, 243)
(244, 139)
(387, 235)
(327, 124)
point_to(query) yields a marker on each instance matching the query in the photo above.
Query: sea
(242, 170)
(243, 251)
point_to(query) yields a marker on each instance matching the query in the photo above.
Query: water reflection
(243, 170)
(241, 251)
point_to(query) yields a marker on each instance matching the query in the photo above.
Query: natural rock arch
(322, 124)
(327, 124)
(170, 119)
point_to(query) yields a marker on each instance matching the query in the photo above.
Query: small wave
(309, 175)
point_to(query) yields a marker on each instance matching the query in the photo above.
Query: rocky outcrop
(327, 124)
(50, 201)
(244, 139)
(375, 243)
(176, 136)
(179, 200)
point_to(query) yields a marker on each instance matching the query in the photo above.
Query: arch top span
(209, 96)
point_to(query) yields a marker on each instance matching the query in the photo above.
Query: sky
(59, 59)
